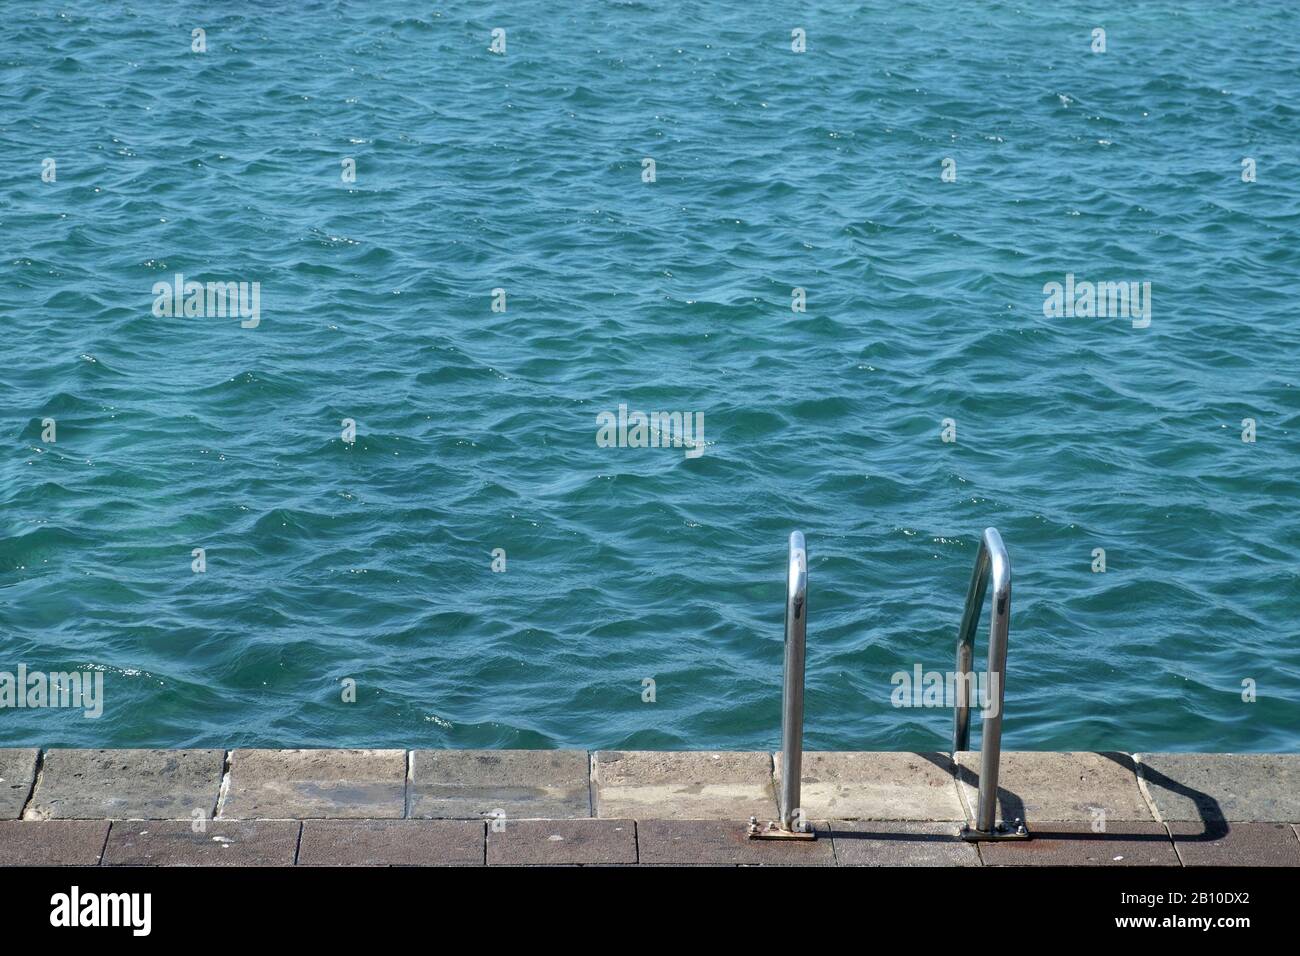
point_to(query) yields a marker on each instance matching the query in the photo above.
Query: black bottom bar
(335, 906)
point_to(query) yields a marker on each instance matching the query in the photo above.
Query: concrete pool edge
(337, 806)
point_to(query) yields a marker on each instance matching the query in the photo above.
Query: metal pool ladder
(791, 826)
(993, 562)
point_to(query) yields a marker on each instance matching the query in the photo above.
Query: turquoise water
(476, 429)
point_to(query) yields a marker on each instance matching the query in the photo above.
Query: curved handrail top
(999, 562)
(797, 578)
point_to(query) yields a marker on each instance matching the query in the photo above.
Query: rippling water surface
(476, 428)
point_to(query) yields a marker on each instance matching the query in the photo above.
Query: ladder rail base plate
(773, 832)
(1000, 833)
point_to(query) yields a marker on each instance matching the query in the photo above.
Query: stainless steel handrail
(796, 621)
(992, 562)
(790, 824)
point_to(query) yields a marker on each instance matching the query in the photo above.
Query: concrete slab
(523, 784)
(175, 843)
(723, 843)
(17, 771)
(315, 784)
(126, 784)
(876, 786)
(1134, 843)
(52, 842)
(894, 843)
(1236, 844)
(684, 785)
(1260, 788)
(392, 843)
(562, 843)
(1081, 787)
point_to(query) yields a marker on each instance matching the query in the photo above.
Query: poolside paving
(561, 842)
(126, 785)
(392, 843)
(1037, 785)
(634, 808)
(1236, 844)
(17, 773)
(718, 843)
(846, 785)
(683, 785)
(514, 784)
(215, 843)
(52, 842)
(1185, 787)
(894, 843)
(307, 784)
(1068, 843)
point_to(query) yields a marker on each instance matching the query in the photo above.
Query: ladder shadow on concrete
(1215, 823)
